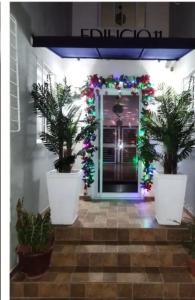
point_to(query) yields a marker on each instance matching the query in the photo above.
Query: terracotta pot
(34, 264)
(192, 266)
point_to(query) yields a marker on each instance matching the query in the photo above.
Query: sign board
(120, 33)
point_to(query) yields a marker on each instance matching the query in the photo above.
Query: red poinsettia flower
(148, 91)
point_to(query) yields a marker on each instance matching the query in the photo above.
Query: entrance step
(163, 234)
(112, 264)
(150, 284)
(116, 256)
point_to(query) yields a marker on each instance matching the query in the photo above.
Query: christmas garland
(134, 84)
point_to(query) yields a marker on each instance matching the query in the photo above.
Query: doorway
(119, 125)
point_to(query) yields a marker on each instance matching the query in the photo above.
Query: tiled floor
(114, 257)
(114, 251)
(146, 276)
(135, 285)
(117, 214)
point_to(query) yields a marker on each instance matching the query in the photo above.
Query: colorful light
(133, 84)
(141, 132)
(135, 160)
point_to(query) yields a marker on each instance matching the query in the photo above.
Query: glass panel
(120, 127)
(109, 155)
(109, 135)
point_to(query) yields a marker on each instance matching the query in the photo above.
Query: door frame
(99, 168)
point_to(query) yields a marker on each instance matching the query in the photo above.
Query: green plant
(171, 127)
(62, 120)
(34, 231)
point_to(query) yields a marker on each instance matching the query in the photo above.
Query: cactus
(34, 231)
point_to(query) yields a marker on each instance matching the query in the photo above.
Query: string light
(134, 84)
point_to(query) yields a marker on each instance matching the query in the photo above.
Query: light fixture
(170, 64)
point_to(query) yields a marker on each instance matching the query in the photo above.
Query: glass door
(119, 170)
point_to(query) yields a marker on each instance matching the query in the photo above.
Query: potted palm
(64, 132)
(171, 129)
(35, 241)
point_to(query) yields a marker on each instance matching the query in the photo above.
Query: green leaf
(172, 127)
(63, 122)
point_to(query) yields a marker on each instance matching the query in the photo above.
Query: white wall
(184, 68)
(78, 70)
(29, 160)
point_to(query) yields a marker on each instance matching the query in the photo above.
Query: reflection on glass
(120, 127)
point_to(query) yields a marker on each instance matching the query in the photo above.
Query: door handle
(120, 145)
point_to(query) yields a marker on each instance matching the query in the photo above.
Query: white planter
(169, 192)
(64, 190)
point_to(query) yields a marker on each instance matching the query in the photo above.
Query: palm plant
(62, 121)
(172, 127)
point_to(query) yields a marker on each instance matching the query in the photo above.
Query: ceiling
(117, 48)
(121, 53)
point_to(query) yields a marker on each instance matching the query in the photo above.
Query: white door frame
(99, 166)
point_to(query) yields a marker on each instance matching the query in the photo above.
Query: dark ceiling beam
(96, 42)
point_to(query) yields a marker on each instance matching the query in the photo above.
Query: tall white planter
(169, 192)
(64, 190)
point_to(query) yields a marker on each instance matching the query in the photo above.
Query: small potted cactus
(35, 241)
